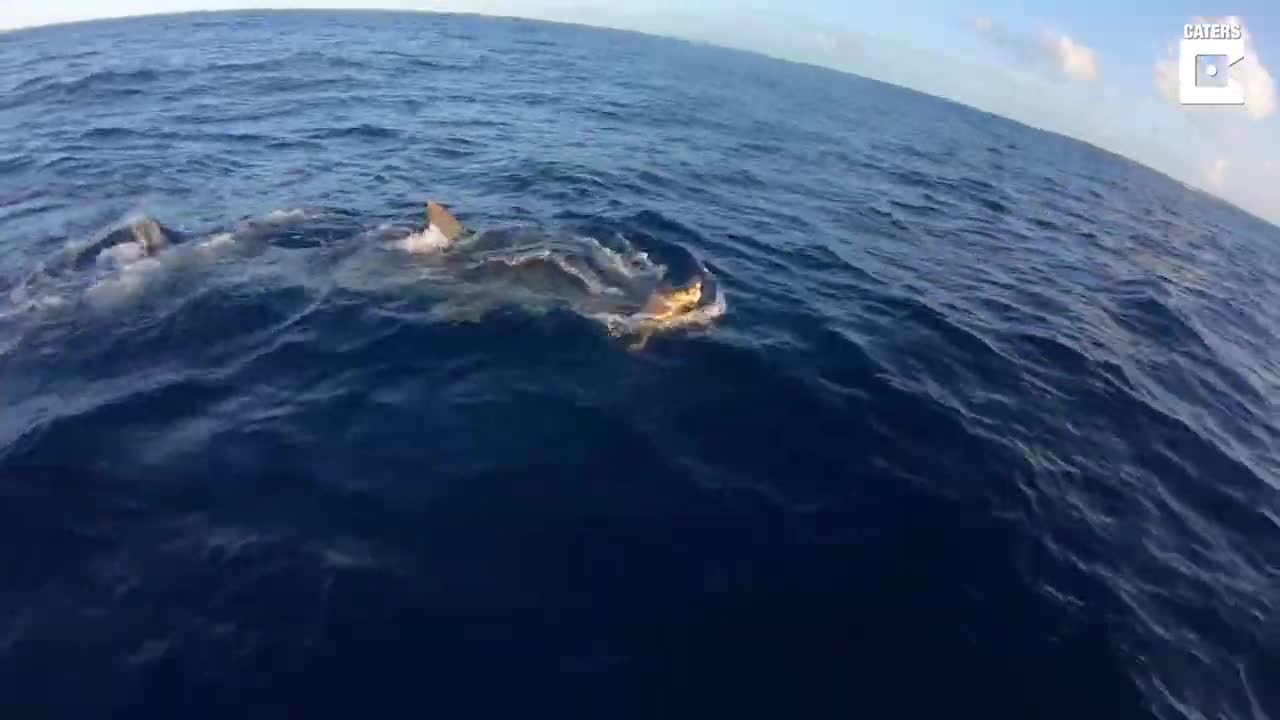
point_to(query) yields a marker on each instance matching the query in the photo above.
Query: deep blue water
(989, 427)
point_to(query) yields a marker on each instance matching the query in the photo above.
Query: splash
(607, 279)
(614, 283)
(119, 263)
(430, 241)
(289, 216)
(629, 264)
(680, 312)
(114, 290)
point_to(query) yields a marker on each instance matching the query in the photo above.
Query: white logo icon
(1204, 65)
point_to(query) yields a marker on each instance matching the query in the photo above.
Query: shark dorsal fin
(444, 221)
(149, 235)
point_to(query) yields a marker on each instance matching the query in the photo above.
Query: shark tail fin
(443, 220)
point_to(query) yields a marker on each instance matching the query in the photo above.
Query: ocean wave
(359, 131)
(101, 84)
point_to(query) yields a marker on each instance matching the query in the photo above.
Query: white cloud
(1259, 84)
(1216, 173)
(1074, 60)
(1053, 53)
(1166, 74)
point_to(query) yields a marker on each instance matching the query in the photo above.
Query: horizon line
(614, 28)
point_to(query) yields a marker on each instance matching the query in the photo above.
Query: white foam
(431, 240)
(110, 292)
(256, 228)
(33, 294)
(629, 265)
(593, 284)
(387, 231)
(120, 255)
(22, 299)
(284, 217)
(589, 279)
(214, 243)
(521, 258)
(122, 271)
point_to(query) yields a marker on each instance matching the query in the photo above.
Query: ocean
(973, 420)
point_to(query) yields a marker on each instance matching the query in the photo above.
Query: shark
(667, 307)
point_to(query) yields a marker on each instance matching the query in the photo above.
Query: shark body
(667, 307)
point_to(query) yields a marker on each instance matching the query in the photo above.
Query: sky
(1103, 72)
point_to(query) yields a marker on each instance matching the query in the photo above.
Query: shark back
(150, 236)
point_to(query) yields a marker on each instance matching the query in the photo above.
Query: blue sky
(1100, 71)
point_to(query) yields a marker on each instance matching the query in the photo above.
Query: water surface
(989, 426)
